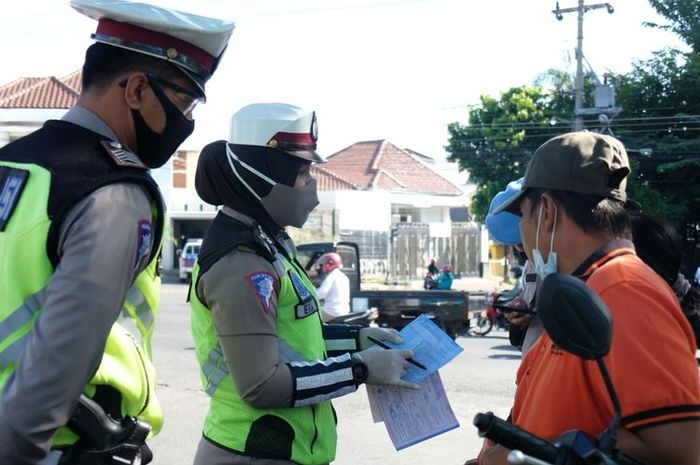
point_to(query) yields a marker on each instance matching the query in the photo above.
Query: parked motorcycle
(577, 321)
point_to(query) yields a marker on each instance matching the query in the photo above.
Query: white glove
(386, 366)
(382, 334)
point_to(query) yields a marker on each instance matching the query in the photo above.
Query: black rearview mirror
(574, 316)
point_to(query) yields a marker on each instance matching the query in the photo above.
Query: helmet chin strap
(230, 156)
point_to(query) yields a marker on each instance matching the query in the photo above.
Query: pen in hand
(385, 346)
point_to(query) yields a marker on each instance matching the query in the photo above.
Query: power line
(617, 122)
(552, 134)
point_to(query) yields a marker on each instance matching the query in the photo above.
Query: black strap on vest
(224, 235)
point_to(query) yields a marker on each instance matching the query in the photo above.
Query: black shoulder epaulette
(121, 156)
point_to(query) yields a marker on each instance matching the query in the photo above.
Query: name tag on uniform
(307, 304)
(12, 182)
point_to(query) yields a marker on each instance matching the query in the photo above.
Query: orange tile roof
(44, 93)
(380, 165)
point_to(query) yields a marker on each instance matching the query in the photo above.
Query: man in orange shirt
(573, 221)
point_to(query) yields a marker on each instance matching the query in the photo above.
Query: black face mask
(154, 149)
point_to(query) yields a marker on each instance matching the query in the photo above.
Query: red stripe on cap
(131, 32)
(294, 138)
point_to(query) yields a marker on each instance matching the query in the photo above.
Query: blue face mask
(543, 268)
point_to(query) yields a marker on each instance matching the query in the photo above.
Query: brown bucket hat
(582, 162)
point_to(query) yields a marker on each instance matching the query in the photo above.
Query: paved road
(479, 379)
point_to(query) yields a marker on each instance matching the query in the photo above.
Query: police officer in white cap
(268, 362)
(81, 225)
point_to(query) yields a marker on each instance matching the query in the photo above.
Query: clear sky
(372, 69)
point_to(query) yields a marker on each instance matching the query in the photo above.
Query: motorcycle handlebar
(512, 437)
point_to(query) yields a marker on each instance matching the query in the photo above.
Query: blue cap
(503, 226)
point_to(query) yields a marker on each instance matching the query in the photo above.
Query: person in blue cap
(81, 224)
(525, 327)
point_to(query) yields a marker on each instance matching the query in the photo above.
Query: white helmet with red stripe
(280, 126)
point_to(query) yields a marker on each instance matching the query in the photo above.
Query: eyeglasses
(185, 104)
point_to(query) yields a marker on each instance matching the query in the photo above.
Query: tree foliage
(496, 144)
(659, 124)
(684, 17)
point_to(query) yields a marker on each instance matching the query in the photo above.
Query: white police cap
(281, 126)
(192, 43)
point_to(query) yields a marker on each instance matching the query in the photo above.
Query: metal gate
(412, 249)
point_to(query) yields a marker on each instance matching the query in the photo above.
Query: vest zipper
(145, 373)
(313, 417)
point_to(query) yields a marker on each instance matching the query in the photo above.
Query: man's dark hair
(104, 63)
(589, 212)
(661, 247)
(657, 244)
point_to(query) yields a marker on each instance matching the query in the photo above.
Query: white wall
(435, 215)
(184, 203)
(364, 210)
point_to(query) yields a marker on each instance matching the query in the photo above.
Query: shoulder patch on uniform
(144, 245)
(121, 156)
(263, 282)
(12, 182)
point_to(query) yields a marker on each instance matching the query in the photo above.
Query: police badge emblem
(307, 304)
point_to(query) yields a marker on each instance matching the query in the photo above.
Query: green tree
(500, 137)
(684, 17)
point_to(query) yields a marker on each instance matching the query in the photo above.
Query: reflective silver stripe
(324, 379)
(287, 354)
(340, 344)
(13, 352)
(327, 362)
(215, 370)
(322, 397)
(18, 318)
(23, 314)
(215, 357)
(215, 379)
(138, 301)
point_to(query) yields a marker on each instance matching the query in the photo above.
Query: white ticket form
(414, 415)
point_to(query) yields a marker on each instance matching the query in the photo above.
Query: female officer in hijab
(267, 361)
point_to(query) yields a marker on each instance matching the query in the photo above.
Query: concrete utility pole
(581, 9)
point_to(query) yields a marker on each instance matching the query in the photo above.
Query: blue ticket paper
(431, 346)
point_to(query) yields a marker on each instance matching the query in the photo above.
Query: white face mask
(543, 268)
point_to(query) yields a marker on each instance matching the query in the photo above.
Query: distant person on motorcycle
(573, 221)
(525, 327)
(431, 277)
(335, 288)
(444, 281)
(517, 274)
(433, 268)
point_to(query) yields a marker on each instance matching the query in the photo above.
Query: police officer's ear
(133, 86)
